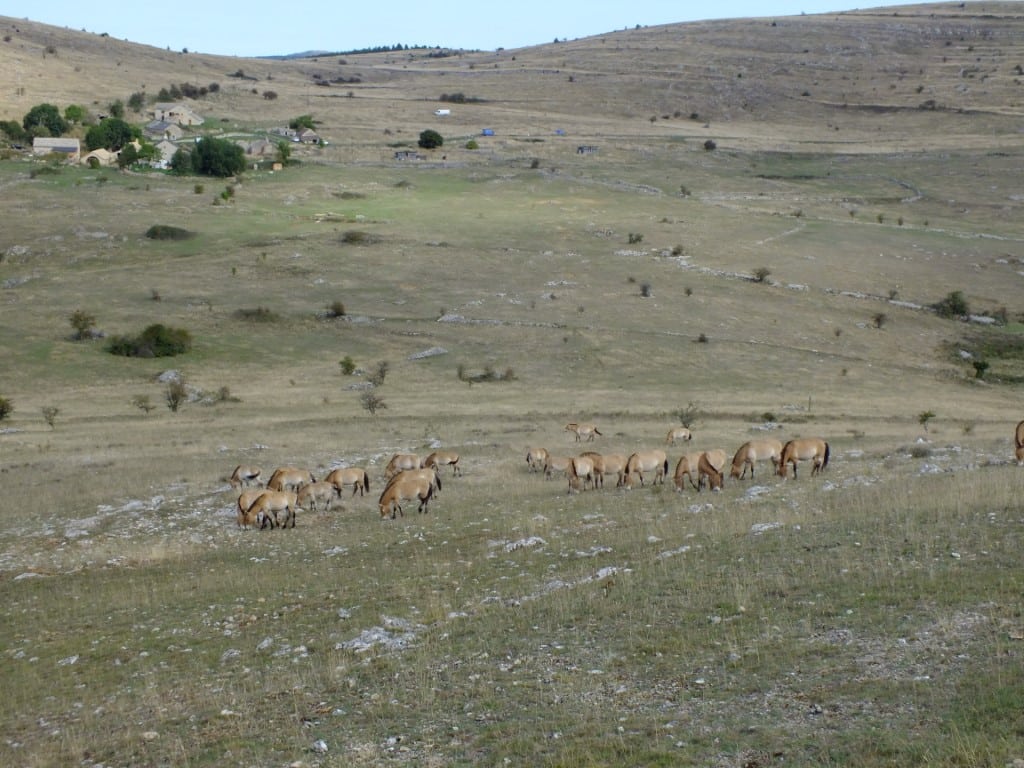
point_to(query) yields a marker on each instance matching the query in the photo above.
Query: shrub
(257, 315)
(82, 323)
(143, 403)
(980, 366)
(880, 319)
(954, 305)
(687, 416)
(168, 232)
(377, 379)
(357, 237)
(176, 394)
(924, 417)
(635, 237)
(6, 408)
(761, 274)
(430, 139)
(471, 144)
(372, 402)
(348, 365)
(156, 340)
(50, 414)
(335, 309)
(645, 290)
(710, 145)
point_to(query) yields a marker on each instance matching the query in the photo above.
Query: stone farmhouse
(177, 113)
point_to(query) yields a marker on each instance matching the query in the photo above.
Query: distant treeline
(436, 51)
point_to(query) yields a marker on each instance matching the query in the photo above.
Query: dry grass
(869, 617)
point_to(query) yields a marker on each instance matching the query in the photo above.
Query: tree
(302, 121)
(116, 109)
(112, 133)
(129, 155)
(218, 157)
(954, 305)
(82, 322)
(137, 101)
(74, 113)
(430, 139)
(46, 117)
(284, 152)
(181, 162)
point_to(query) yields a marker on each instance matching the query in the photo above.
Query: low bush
(6, 408)
(156, 340)
(257, 315)
(168, 232)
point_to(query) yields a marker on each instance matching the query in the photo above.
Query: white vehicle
(442, 112)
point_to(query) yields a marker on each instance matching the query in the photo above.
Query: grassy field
(867, 616)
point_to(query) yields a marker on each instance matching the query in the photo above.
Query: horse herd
(411, 478)
(273, 504)
(699, 468)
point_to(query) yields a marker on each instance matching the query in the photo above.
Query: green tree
(45, 116)
(284, 152)
(137, 101)
(181, 162)
(128, 156)
(82, 322)
(13, 130)
(302, 121)
(74, 113)
(112, 133)
(218, 157)
(430, 139)
(116, 109)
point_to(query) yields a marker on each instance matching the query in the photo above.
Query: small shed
(71, 148)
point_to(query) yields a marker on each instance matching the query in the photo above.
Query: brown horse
(437, 459)
(648, 461)
(289, 479)
(607, 464)
(583, 431)
(686, 468)
(813, 448)
(267, 509)
(408, 485)
(246, 475)
(536, 457)
(710, 467)
(245, 500)
(753, 451)
(1018, 439)
(316, 496)
(677, 433)
(553, 464)
(581, 472)
(400, 461)
(357, 477)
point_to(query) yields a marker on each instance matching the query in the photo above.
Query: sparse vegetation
(143, 403)
(379, 373)
(372, 402)
(176, 394)
(257, 315)
(50, 413)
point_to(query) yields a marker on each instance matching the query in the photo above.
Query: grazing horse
(357, 477)
(246, 475)
(400, 461)
(686, 468)
(1018, 440)
(554, 464)
(245, 500)
(583, 431)
(408, 485)
(647, 461)
(316, 495)
(536, 457)
(581, 472)
(753, 451)
(437, 459)
(289, 479)
(677, 433)
(607, 464)
(710, 466)
(801, 449)
(268, 507)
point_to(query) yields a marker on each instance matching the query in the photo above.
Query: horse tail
(437, 479)
(828, 451)
(598, 432)
(366, 481)
(664, 468)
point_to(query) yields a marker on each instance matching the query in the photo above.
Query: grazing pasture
(780, 281)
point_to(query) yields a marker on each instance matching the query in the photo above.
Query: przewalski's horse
(677, 433)
(245, 500)
(583, 431)
(316, 496)
(752, 452)
(581, 472)
(1018, 441)
(536, 457)
(289, 479)
(801, 449)
(246, 475)
(608, 464)
(553, 464)
(357, 477)
(267, 509)
(710, 466)
(408, 485)
(686, 468)
(648, 461)
(438, 459)
(400, 461)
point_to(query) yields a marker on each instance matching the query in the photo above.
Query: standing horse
(753, 451)
(1018, 440)
(710, 466)
(289, 479)
(357, 477)
(583, 431)
(314, 496)
(607, 464)
(581, 472)
(554, 464)
(439, 458)
(246, 475)
(686, 468)
(408, 485)
(648, 461)
(536, 457)
(677, 433)
(802, 449)
(400, 461)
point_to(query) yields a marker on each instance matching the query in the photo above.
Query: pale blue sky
(259, 28)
